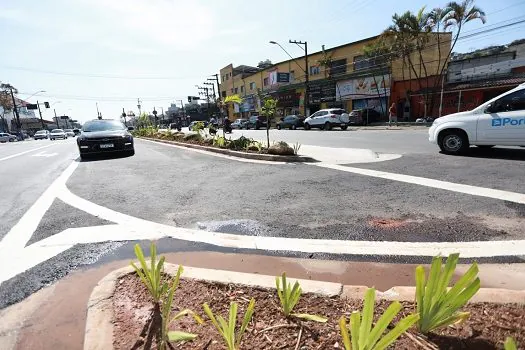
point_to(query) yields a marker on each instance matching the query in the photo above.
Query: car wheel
(327, 126)
(278, 126)
(293, 127)
(485, 146)
(344, 127)
(306, 126)
(453, 142)
(257, 126)
(130, 153)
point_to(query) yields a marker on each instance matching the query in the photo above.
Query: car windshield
(57, 130)
(103, 125)
(41, 132)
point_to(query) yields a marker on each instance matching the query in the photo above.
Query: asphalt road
(186, 189)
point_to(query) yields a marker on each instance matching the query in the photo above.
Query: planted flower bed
(156, 310)
(201, 136)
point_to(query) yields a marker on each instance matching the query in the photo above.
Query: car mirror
(489, 109)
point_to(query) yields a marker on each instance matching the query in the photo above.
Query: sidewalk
(54, 317)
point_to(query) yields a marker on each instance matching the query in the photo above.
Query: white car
(57, 134)
(69, 132)
(5, 137)
(500, 121)
(326, 119)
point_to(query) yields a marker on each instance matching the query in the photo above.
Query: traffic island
(247, 149)
(121, 313)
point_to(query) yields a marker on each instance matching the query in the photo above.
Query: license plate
(106, 145)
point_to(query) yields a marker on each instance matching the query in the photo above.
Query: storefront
(288, 102)
(323, 95)
(366, 92)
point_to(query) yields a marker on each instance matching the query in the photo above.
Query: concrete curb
(246, 155)
(99, 321)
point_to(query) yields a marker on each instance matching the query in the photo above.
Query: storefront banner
(367, 87)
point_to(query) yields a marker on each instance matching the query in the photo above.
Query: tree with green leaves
(6, 101)
(144, 121)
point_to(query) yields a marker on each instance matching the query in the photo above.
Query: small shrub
(255, 146)
(437, 306)
(198, 126)
(365, 337)
(192, 137)
(227, 329)
(151, 276)
(281, 148)
(289, 297)
(219, 141)
(240, 144)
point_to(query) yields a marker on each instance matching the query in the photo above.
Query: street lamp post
(306, 75)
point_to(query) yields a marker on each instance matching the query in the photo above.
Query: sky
(84, 52)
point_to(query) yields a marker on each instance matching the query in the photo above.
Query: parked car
(364, 116)
(291, 122)
(499, 121)
(239, 124)
(103, 136)
(57, 134)
(326, 119)
(41, 134)
(256, 122)
(5, 137)
(69, 132)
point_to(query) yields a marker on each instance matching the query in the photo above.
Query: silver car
(57, 134)
(5, 137)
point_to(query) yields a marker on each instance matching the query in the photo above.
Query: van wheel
(306, 126)
(327, 126)
(344, 127)
(453, 142)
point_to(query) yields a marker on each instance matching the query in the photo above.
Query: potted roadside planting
(153, 310)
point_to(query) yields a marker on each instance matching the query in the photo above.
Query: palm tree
(458, 14)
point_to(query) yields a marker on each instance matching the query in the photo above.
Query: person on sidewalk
(392, 115)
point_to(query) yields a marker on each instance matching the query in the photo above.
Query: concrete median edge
(99, 321)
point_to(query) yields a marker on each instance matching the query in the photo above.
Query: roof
(488, 83)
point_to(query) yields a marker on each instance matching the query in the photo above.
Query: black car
(104, 136)
(291, 122)
(256, 122)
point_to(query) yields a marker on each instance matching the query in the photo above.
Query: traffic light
(46, 104)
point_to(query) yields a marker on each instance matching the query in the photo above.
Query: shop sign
(283, 77)
(322, 93)
(288, 99)
(367, 87)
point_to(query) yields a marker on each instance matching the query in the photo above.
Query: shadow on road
(103, 156)
(496, 153)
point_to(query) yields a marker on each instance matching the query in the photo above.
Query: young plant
(151, 276)
(174, 336)
(296, 148)
(510, 344)
(437, 306)
(227, 329)
(289, 296)
(365, 337)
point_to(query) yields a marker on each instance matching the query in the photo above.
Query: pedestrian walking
(392, 115)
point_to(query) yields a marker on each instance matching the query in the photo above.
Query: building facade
(338, 77)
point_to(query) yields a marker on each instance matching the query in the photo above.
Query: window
(242, 88)
(511, 102)
(231, 90)
(236, 90)
(252, 86)
(223, 93)
(265, 81)
(292, 76)
(361, 62)
(314, 70)
(338, 67)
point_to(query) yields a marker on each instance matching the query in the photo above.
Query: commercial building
(338, 77)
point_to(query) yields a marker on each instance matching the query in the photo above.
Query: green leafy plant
(240, 143)
(437, 306)
(289, 297)
(510, 344)
(174, 336)
(198, 126)
(151, 276)
(254, 146)
(227, 329)
(365, 337)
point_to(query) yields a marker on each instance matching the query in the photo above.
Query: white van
(500, 121)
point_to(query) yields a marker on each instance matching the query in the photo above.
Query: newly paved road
(108, 203)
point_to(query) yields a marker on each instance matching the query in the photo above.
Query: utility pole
(205, 93)
(124, 116)
(156, 119)
(218, 100)
(306, 78)
(213, 92)
(56, 118)
(15, 109)
(138, 105)
(99, 115)
(40, 112)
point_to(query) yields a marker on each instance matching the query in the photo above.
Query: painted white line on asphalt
(97, 234)
(20, 233)
(22, 153)
(216, 154)
(423, 181)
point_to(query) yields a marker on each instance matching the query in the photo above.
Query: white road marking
(22, 153)
(44, 154)
(423, 181)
